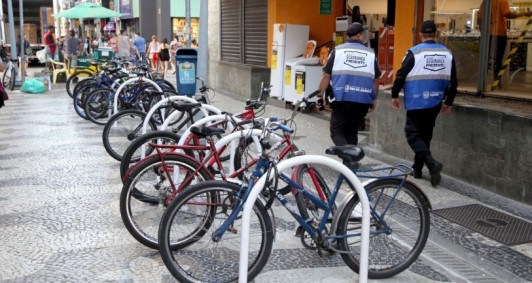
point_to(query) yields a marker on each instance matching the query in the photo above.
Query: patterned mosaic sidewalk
(60, 219)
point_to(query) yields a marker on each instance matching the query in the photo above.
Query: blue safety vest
(353, 73)
(426, 83)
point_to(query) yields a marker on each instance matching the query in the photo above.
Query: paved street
(60, 218)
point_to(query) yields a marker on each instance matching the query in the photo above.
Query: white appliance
(291, 68)
(289, 41)
(306, 80)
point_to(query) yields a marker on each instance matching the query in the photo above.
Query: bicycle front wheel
(6, 78)
(98, 106)
(75, 79)
(146, 190)
(399, 225)
(193, 217)
(121, 129)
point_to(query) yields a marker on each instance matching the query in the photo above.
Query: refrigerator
(289, 41)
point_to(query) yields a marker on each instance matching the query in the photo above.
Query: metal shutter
(230, 38)
(244, 31)
(255, 32)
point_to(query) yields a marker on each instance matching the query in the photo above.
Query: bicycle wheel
(121, 129)
(247, 151)
(80, 95)
(75, 79)
(12, 78)
(6, 77)
(98, 106)
(313, 182)
(192, 218)
(140, 147)
(144, 194)
(390, 250)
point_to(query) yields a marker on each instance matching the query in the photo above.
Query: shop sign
(325, 7)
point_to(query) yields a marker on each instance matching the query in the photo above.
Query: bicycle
(10, 75)
(218, 205)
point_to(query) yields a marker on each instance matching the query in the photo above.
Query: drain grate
(491, 223)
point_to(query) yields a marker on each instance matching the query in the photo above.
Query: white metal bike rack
(130, 81)
(283, 165)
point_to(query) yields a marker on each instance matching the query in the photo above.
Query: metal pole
(2, 28)
(12, 40)
(187, 19)
(203, 52)
(22, 41)
(484, 48)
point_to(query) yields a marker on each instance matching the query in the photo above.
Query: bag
(33, 86)
(41, 55)
(4, 93)
(29, 51)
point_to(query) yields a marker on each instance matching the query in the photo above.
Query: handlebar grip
(313, 94)
(286, 128)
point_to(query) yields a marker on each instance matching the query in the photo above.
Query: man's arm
(450, 92)
(400, 78)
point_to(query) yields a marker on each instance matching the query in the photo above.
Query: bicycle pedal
(299, 231)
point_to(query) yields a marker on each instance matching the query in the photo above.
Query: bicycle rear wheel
(145, 192)
(407, 217)
(313, 182)
(6, 77)
(194, 215)
(75, 79)
(98, 106)
(121, 129)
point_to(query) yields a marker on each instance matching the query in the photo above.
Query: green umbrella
(87, 10)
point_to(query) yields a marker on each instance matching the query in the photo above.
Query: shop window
(244, 31)
(179, 29)
(459, 25)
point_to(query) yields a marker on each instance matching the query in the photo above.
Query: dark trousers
(500, 47)
(345, 120)
(418, 129)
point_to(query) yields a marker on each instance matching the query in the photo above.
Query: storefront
(179, 24)
(459, 23)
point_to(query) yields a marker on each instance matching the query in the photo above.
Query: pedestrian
(352, 71)
(500, 11)
(73, 48)
(153, 53)
(140, 43)
(165, 55)
(427, 77)
(94, 44)
(50, 44)
(174, 45)
(123, 46)
(135, 54)
(113, 43)
(194, 43)
(27, 51)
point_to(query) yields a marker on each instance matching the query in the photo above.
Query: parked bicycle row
(188, 169)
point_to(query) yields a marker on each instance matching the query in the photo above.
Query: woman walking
(153, 53)
(165, 55)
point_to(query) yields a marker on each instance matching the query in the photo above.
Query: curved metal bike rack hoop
(123, 85)
(283, 165)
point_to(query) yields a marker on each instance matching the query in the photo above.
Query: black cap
(51, 26)
(428, 27)
(356, 28)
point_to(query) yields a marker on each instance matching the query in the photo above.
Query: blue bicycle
(204, 219)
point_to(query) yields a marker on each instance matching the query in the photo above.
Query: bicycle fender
(342, 205)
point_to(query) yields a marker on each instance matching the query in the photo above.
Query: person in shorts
(73, 47)
(153, 53)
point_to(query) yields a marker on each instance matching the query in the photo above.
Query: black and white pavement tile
(60, 219)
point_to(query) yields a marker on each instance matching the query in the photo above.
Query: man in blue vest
(427, 76)
(352, 71)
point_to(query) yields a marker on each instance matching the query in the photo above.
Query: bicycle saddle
(206, 131)
(184, 106)
(348, 152)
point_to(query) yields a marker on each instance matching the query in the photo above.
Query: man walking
(49, 42)
(73, 47)
(427, 75)
(140, 43)
(352, 71)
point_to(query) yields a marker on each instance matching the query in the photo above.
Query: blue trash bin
(186, 61)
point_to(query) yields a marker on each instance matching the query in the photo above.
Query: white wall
(370, 6)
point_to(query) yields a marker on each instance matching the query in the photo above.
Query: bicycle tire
(96, 106)
(82, 84)
(12, 79)
(143, 195)
(73, 81)
(6, 77)
(132, 153)
(247, 151)
(409, 220)
(80, 97)
(313, 182)
(199, 258)
(122, 129)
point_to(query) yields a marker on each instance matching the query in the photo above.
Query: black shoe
(417, 173)
(435, 176)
